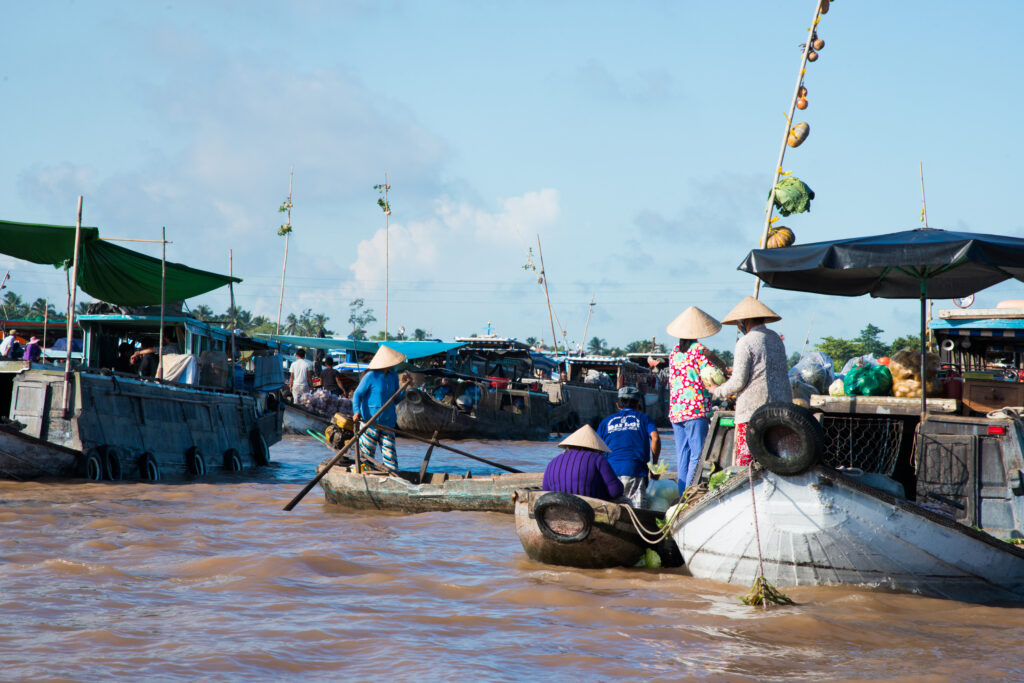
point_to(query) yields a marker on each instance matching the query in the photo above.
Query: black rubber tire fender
(149, 467)
(779, 420)
(232, 460)
(93, 465)
(554, 499)
(112, 469)
(260, 449)
(195, 463)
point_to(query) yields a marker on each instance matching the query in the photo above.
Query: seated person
(33, 350)
(633, 439)
(10, 349)
(470, 397)
(582, 469)
(443, 391)
(147, 357)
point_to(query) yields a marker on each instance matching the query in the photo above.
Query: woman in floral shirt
(689, 402)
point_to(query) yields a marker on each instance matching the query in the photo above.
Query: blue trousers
(689, 438)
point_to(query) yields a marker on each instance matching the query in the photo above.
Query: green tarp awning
(106, 271)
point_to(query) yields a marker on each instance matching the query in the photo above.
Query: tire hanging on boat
(111, 462)
(149, 467)
(784, 438)
(93, 466)
(232, 461)
(195, 463)
(573, 511)
(260, 449)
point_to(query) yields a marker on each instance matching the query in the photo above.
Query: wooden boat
(822, 527)
(437, 492)
(501, 414)
(576, 531)
(296, 419)
(26, 457)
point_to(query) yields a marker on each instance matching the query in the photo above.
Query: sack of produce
(837, 388)
(858, 361)
(713, 375)
(802, 391)
(911, 388)
(868, 380)
(816, 369)
(906, 364)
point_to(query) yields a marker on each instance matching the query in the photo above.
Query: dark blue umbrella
(923, 263)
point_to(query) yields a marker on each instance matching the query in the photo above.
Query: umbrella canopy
(938, 264)
(923, 263)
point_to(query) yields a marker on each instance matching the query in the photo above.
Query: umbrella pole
(924, 394)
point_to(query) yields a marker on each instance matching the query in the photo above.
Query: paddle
(344, 449)
(435, 442)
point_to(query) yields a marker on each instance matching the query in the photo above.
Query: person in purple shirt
(582, 469)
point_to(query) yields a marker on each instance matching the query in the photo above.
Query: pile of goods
(906, 374)
(813, 374)
(323, 402)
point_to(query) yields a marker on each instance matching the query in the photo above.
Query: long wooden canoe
(440, 492)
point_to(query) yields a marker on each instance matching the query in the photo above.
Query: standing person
(330, 379)
(32, 350)
(633, 439)
(581, 469)
(689, 402)
(9, 346)
(377, 385)
(298, 375)
(759, 371)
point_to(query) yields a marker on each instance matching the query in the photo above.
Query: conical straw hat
(750, 308)
(693, 323)
(386, 357)
(585, 437)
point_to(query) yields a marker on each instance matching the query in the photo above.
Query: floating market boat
(577, 531)
(435, 492)
(299, 420)
(202, 418)
(822, 525)
(589, 391)
(500, 414)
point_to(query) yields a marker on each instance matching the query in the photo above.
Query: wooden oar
(435, 442)
(354, 440)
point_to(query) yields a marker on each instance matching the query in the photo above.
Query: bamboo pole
(163, 302)
(544, 277)
(586, 327)
(46, 320)
(280, 304)
(387, 255)
(72, 292)
(785, 138)
(234, 318)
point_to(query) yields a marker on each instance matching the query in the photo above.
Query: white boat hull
(819, 528)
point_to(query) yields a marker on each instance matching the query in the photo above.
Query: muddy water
(213, 581)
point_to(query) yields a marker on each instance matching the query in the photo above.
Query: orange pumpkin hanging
(797, 134)
(779, 236)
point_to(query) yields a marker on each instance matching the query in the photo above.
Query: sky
(636, 140)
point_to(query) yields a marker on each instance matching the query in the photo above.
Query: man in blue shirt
(377, 385)
(633, 439)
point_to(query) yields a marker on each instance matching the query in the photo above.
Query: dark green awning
(106, 271)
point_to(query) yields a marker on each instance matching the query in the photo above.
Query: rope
(757, 531)
(655, 537)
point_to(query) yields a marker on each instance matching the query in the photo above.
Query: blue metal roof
(422, 349)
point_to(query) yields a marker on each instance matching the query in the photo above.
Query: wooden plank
(881, 405)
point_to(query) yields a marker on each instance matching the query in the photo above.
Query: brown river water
(213, 581)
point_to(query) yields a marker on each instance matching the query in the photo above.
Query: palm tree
(532, 341)
(292, 326)
(204, 313)
(15, 308)
(40, 309)
(597, 346)
(419, 335)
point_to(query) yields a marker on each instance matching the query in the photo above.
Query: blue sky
(637, 139)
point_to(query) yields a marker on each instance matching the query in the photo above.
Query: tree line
(868, 341)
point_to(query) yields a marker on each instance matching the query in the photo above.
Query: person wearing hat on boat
(377, 385)
(582, 468)
(9, 347)
(32, 350)
(689, 401)
(633, 439)
(759, 371)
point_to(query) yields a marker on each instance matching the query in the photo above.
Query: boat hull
(612, 540)
(821, 528)
(420, 414)
(298, 420)
(441, 493)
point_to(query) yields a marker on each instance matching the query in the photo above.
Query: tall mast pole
(163, 301)
(387, 255)
(544, 277)
(234, 316)
(287, 233)
(586, 327)
(73, 289)
(785, 138)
